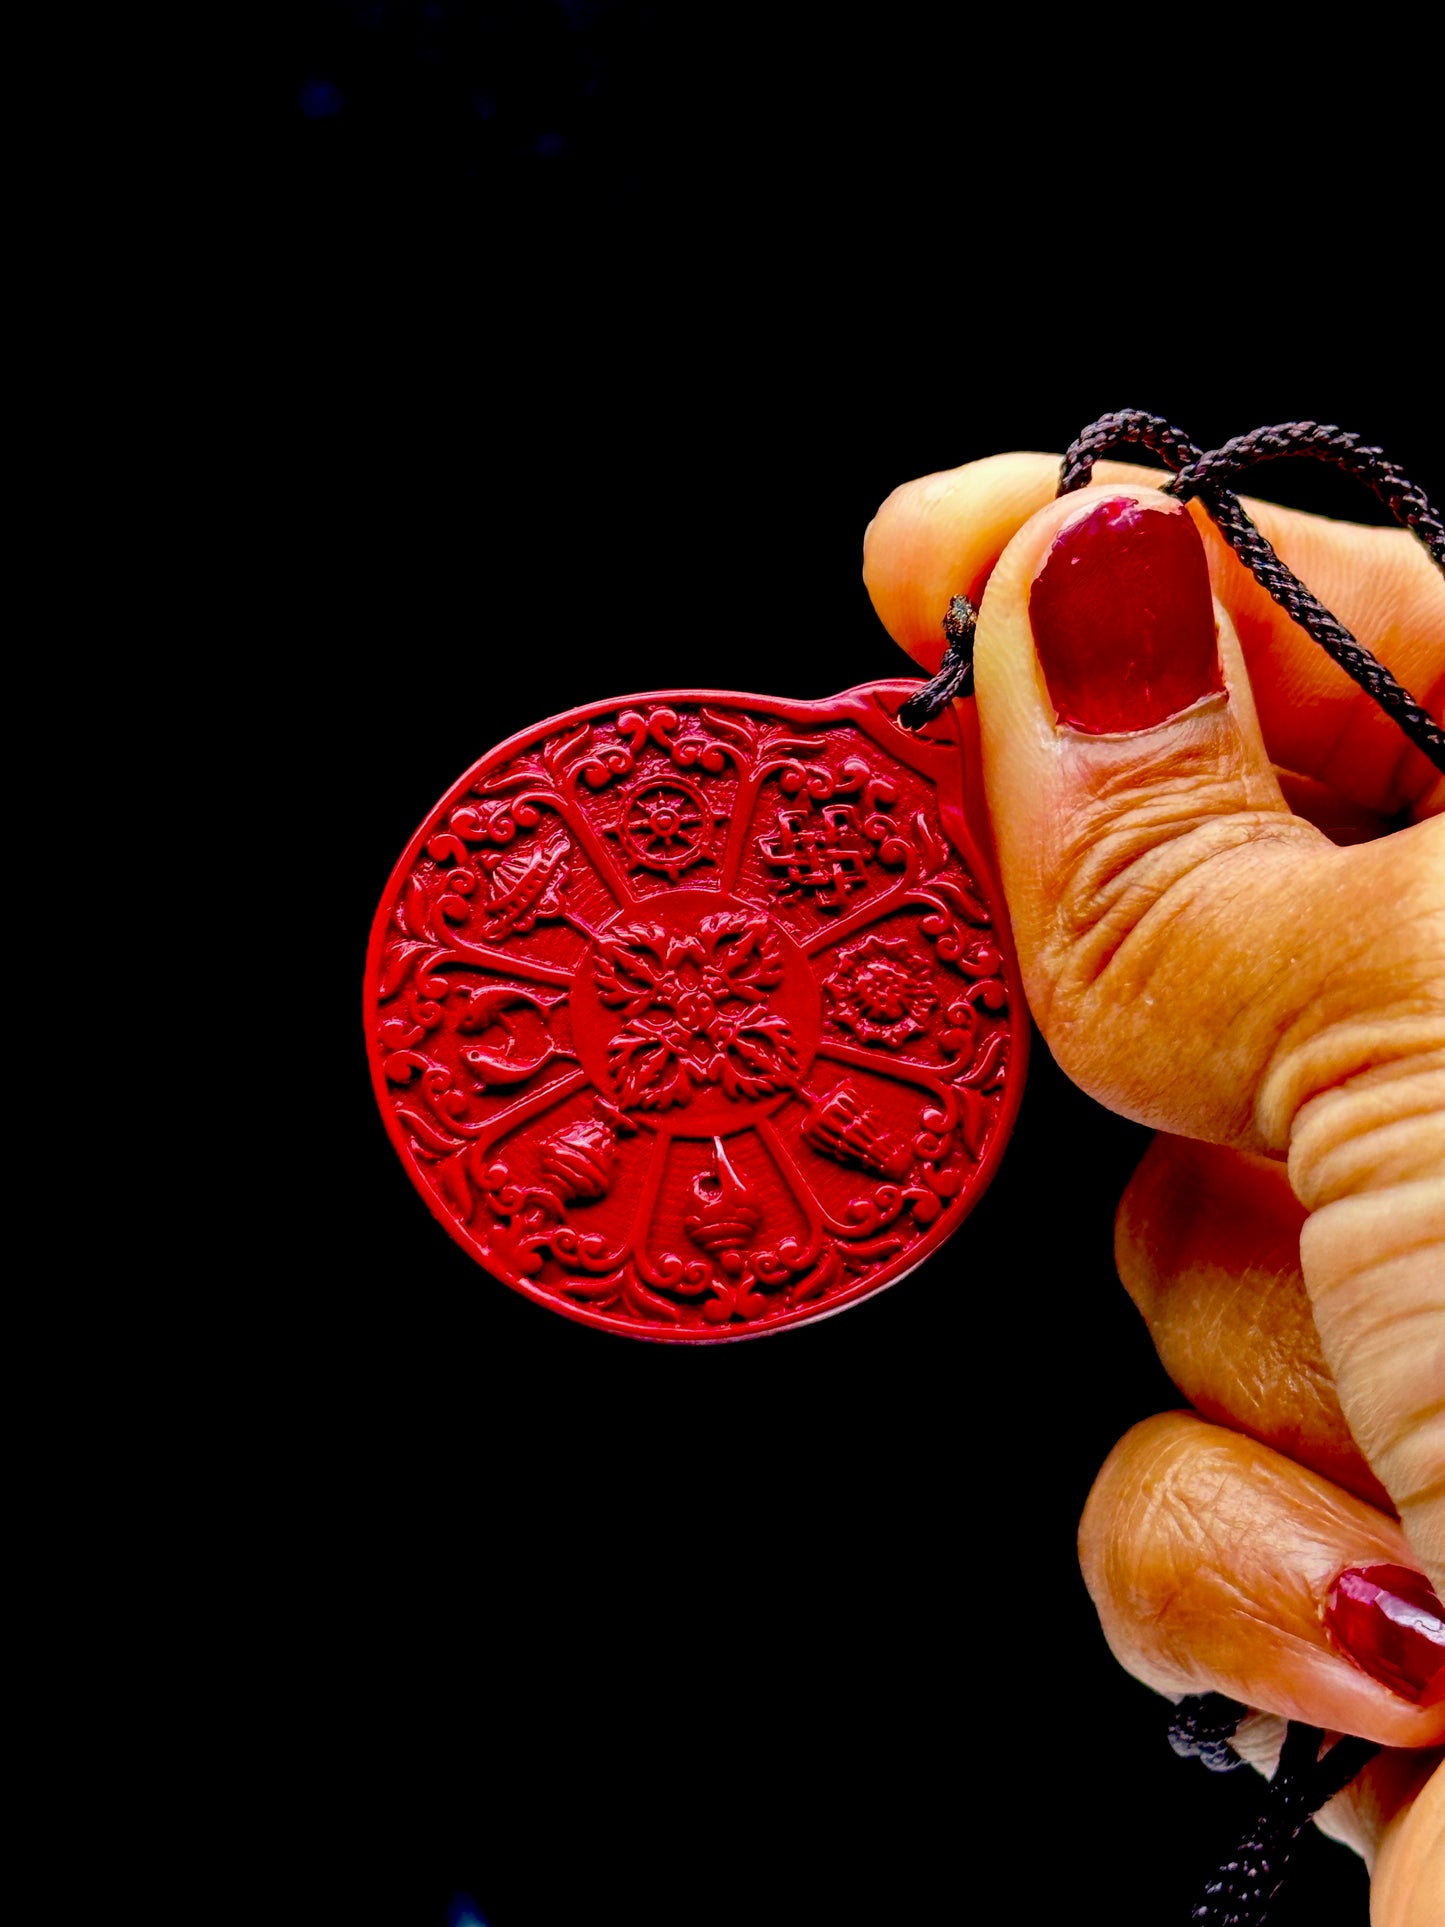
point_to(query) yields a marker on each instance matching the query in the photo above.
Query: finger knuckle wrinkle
(1376, 1131)
(1372, 1155)
(1110, 843)
(1397, 1405)
(1374, 922)
(1131, 904)
(1386, 1333)
(1431, 1494)
(1413, 1453)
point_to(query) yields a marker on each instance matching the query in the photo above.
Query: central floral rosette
(694, 1009)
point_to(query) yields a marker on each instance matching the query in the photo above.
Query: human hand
(1201, 957)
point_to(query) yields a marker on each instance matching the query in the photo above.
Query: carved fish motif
(519, 1057)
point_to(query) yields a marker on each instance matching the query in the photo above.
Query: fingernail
(1122, 618)
(1389, 1621)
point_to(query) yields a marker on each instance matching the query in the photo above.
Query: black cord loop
(1204, 476)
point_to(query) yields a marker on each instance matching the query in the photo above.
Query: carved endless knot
(820, 852)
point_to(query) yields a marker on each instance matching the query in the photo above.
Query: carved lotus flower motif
(881, 988)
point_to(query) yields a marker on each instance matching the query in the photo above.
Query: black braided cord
(1205, 475)
(1241, 1893)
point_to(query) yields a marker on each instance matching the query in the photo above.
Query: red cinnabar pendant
(695, 1015)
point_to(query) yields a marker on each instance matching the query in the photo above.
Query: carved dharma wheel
(694, 1015)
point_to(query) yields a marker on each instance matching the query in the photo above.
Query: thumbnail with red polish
(1389, 1620)
(1122, 618)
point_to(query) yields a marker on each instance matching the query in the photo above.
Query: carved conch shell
(842, 1127)
(726, 1218)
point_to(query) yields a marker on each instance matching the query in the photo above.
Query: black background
(589, 338)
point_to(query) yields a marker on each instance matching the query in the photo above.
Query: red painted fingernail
(1122, 618)
(1389, 1621)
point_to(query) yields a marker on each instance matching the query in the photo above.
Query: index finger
(940, 536)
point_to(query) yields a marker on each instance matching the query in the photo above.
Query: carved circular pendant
(695, 1015)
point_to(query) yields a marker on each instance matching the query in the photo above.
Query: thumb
(1202, 960)
(1197, 957)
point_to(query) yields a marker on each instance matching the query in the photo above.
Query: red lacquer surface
(694, 1015)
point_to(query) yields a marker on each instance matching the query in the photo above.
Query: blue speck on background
(464, 1912)
(320, 99)
(550, 145)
